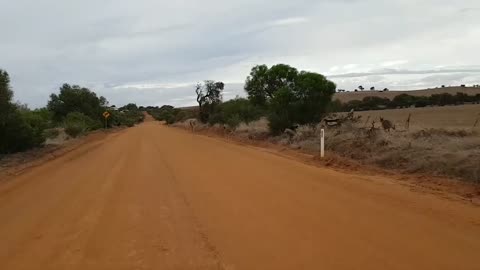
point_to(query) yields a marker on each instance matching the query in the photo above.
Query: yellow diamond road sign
(106, 114)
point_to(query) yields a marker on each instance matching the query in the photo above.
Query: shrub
(17, 134)
(181, 115)
(374, 103)
(51, 133)
(125, 118)
(278, 122)
(442, 99)
(242, 109)
(128, 122)
(169, 118)
(169, 114)
(37, 124)
(77, 123)
(233, 121)
(20, 129)
(74, 129)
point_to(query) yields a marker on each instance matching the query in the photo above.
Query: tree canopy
(6, 92)
(209, 95)
(263, 82)
(20, 129)
(292, 97)
(76, 99)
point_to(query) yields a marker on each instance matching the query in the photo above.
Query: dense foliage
(75, 108)
(209, 96)
(264, 82)
(76, 99)
(20, 128)
(77, 123)
(291, 97)
(169, 114)
(236, 111)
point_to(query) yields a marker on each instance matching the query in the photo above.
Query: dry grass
(440, 141)
(60, 139)
(349, 96)
(257, 130)
(433, 151)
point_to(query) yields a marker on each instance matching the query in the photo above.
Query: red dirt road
(153, 197)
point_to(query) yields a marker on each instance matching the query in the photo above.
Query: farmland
(349, 96)
(446, 117)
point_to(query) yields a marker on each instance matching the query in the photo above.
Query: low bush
(171, 115)
(51, 133)
(20, 129)
(234, 112)
(278, 122)
(125, 118)
(233, 121)
(19, 134)
(77, 123)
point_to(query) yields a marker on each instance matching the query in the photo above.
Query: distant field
(447, 117)
(348, 96)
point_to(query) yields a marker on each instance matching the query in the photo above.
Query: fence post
(322, 143)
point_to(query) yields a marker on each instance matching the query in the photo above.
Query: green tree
(19, 129)
(313, 92)
(402, 100)
(283, 108)
(443, 99)
(6, 93)
(291, 97)
(374, 103)
(209, 96)
(422, 101)
(129, 107)
(263, 82)
(461, 98)
(76, 99)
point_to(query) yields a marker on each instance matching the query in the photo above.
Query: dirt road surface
(154, 197)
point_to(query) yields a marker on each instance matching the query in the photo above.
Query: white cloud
(289, 21)
(393, 63)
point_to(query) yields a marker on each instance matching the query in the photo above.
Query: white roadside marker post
(322, 143)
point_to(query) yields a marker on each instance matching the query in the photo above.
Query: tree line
(76, 109)
(403, 101)
(286, 96)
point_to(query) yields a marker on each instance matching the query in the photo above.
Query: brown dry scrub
(453, 153)
(433, 151)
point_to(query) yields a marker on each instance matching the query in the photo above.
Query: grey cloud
(466, 10)
(108, 44)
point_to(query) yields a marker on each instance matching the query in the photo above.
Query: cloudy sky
(152, 51)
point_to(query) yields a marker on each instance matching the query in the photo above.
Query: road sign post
(106, 115)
